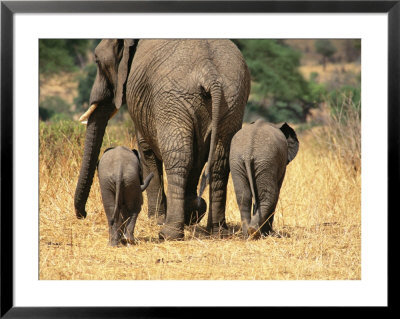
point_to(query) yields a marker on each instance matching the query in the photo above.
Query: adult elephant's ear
(293, 142)
(123, 71)
(136, 153)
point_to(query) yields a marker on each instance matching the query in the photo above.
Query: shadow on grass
(234, 231)
(201, 232)
(148, 239)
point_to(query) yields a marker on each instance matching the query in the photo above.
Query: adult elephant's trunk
(96, 126)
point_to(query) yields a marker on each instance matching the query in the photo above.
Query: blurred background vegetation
(294, 80)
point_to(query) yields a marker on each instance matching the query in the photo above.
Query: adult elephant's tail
(213, 86)
(216, 96)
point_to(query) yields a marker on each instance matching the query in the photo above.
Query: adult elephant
(186, 99)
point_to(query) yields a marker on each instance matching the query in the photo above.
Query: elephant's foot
(80, 213)
(161, 219)
(193, 218)
(219, 230)
(157, 212)
(266, 230)
(172, 232)
(245, 229)
(128, 241)
(273, 233)
(128, 238)
(254, 232)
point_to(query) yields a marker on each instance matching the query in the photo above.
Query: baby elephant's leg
(132, 204)
(108, 197)
(269, 211)
(130, 228)
(261, 221)
(243, 197)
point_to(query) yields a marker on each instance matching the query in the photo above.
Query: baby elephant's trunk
(146, 182)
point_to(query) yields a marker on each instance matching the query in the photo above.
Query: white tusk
(85, 116)
(113, 113)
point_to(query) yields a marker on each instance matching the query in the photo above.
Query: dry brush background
(319, 207)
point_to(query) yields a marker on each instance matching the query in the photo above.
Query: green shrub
(325, 48)
(63, 132)
(338, 98)
(45, 114)
(64, 55)
(57, 139)
(279, 91)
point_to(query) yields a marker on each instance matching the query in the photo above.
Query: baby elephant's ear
(293, 142)
(107, 149)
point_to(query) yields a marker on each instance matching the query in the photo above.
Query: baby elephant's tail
(249, 171)
(146, 182)
(118, 200)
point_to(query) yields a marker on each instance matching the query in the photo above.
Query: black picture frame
(9, 8)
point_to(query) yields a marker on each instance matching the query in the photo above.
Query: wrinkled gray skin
(258, 158)
(186, 99)
(120, 179)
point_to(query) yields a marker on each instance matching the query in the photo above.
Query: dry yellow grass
(62, 85)
(335, 74)
(319, 206)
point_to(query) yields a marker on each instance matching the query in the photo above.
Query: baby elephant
(258, 158)
(121, 186)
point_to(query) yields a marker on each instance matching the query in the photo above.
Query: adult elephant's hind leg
(216, 223)
(156, 199)
(178, 160)
(243, 196)
(195, 206)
